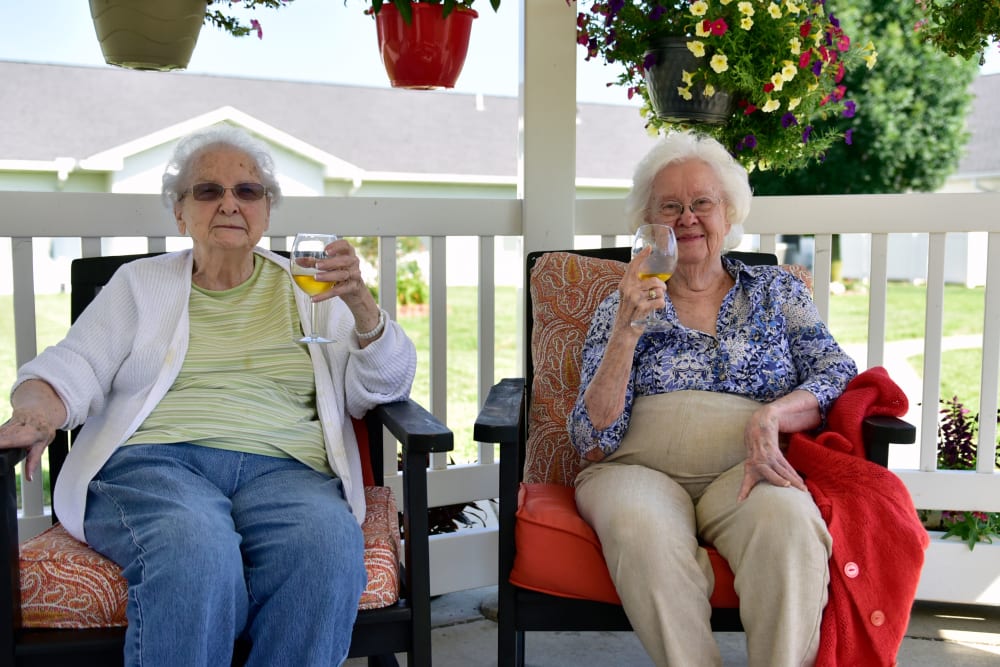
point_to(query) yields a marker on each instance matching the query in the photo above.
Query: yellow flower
(687, 77)
(770, 105)
(746, 8)
(812, 86)
(746, 22)
(870, 58)
(684, 92)
(794, 102)
(764, 165)
(774, 10)
(719, 63)
(699, 8)
(697, 48)
(795, 46)
(700, 31)
(792, 7)
(777, 81)
(725, 2)
(788, 71)
(709, 90)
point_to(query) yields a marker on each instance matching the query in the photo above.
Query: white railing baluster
(439, 338)
(933, 332)
(878, 291)
(486, 331)
(822, 264)
(987, 446)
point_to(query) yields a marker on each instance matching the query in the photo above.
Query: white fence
(467, 559)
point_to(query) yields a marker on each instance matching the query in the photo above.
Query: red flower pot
(428, 52)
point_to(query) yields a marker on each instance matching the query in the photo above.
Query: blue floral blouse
(771, 341)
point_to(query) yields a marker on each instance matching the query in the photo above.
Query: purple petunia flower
(817, 67)
(850, 108)
(657, 12)
(806, 133)
(649, 60)
(788, 120)
(849, 137)
(750, 141)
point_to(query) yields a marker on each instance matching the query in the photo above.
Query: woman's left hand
(343, 268)
(765, 460)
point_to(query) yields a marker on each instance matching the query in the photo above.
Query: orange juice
(310, 285)
(662, 276)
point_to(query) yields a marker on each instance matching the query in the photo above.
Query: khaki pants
(674, 480)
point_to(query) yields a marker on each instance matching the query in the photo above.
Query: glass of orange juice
(307, 250)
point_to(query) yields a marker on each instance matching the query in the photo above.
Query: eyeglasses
(215, 192)
(670, 211)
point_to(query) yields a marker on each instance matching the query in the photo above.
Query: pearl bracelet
(374, 333)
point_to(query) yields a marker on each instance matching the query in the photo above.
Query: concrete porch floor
(464, 635)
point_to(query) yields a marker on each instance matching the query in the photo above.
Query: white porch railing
(468, 559)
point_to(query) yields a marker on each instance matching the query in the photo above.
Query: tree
(909, 129)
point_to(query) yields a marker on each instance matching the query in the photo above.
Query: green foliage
(909, 130)
(960, 27)
(233, 25)
(957, 450)
(449, 6)
(411, 288)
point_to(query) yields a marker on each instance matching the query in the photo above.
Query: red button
(877, 618)
(852, 570)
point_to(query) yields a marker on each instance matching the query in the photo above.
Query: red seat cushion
(548, 523)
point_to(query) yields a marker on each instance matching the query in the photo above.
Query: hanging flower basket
(674, 98)
(146, 35)
(428, 52)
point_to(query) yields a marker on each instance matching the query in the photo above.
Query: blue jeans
(217, 545)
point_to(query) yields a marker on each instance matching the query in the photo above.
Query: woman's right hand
(639, 296)
(37, 414)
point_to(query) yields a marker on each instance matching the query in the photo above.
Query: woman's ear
(179, 219)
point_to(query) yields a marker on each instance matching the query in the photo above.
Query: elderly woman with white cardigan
(217, 464)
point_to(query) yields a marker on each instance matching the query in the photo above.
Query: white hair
(177, 175)
(678, 147)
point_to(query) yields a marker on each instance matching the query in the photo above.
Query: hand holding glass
(661, 263)
(307, 250)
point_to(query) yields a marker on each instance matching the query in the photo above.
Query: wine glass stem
(315, 332)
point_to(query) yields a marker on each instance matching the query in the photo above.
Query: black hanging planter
(664, 78)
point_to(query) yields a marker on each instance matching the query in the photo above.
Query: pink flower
(255, 25)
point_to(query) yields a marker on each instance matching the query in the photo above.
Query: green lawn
(848, 320)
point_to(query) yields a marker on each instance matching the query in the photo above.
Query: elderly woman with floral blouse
(684, 429)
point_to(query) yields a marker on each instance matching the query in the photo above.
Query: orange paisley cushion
(66, 584)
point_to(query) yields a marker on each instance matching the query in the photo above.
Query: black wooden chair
(538, 589)
(401, 627)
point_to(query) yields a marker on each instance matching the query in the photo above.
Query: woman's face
(229, 223)
(700, 235)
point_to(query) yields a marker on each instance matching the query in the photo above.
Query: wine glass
(661, 263)
(307, 249)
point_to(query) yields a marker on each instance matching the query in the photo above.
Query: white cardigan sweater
(124, 352)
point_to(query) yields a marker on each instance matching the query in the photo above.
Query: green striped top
(245, 384)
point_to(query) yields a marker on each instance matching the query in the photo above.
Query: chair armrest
(415, 428)
(500, 418)
(880, 431)
(10, 458)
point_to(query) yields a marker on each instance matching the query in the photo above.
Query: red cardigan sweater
(878, 541)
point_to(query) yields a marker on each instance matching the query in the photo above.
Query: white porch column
(547, 127)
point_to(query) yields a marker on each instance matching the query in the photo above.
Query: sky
(328, 41)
